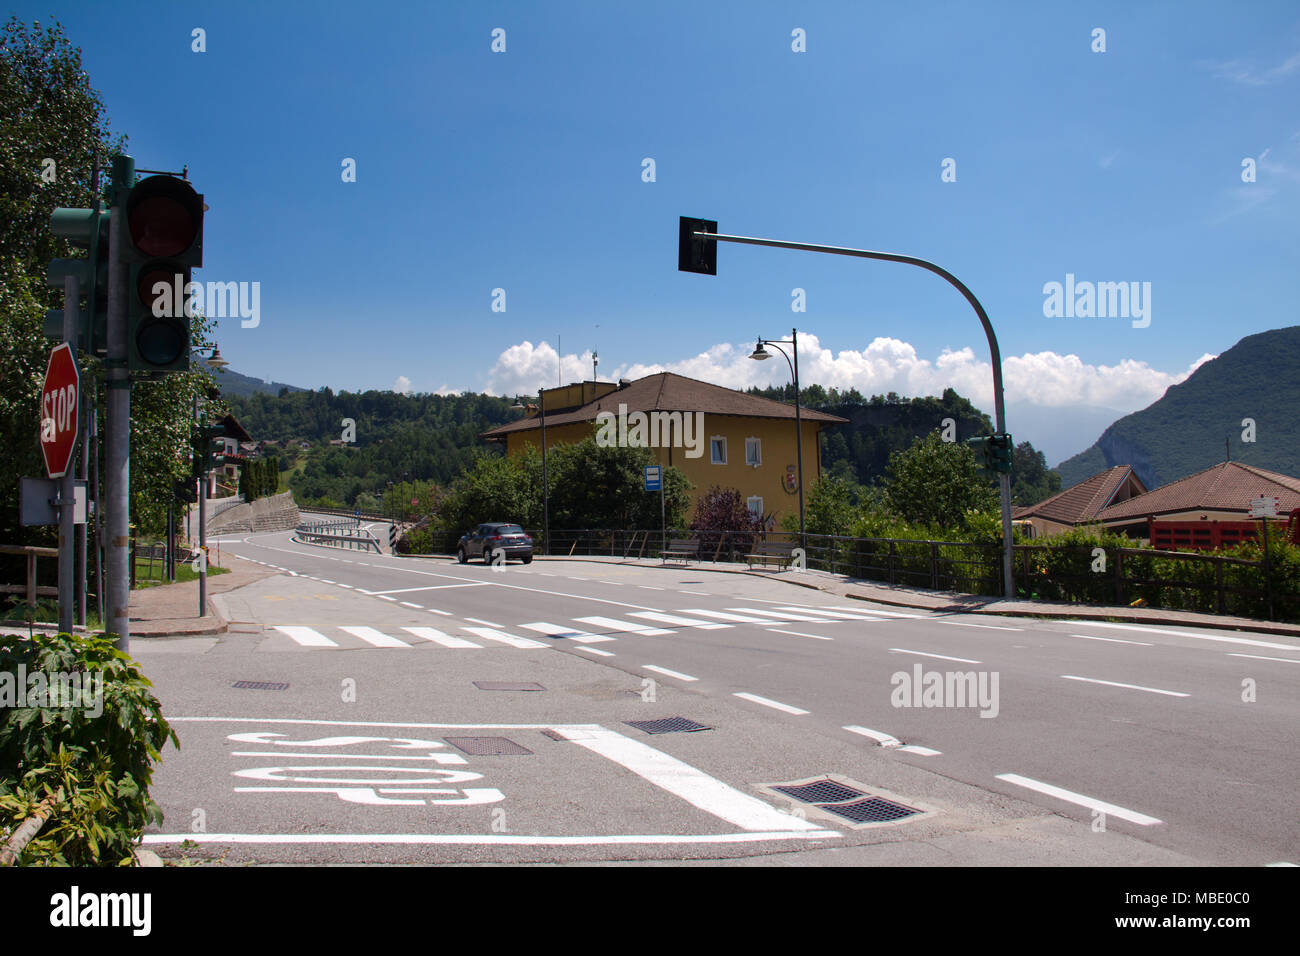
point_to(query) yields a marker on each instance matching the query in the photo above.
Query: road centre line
(1271, 645)
(816, 637)
(991, 627)
(840, 607)
(1092, 803)
(884, 739)
(767, 702)
(942, 657)
(1287, 660)
(409, 604)
(1113, 640)
(477, 620)
(667, 672)
(1111, 683)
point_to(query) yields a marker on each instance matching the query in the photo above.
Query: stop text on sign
(59, 407)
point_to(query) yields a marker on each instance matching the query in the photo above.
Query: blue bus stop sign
(653, 478)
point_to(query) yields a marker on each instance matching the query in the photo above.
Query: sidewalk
(171, 610)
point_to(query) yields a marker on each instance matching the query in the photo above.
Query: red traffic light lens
(164, 216)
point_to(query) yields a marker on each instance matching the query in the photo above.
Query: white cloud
(402, 386)
(1248, 74)
(885, 365)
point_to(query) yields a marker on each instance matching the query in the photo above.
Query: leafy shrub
(722, 510)
(102, 761)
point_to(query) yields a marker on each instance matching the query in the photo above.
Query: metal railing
(30, 590)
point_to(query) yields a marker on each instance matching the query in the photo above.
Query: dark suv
(487, 539)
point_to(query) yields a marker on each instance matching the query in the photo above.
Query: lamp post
(546, 486)
(760, 354)
(697, 248)
(214, 361)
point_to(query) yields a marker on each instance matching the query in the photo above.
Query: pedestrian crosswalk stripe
(555, 630)
(306, 636)
(372, 636)
(680, 621)
(492, 634)
(724, 616)
(626, 627)
(781, 615)
(438, 637)
(836, 614)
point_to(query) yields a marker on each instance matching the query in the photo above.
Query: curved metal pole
(798, 423)
(1004, 480)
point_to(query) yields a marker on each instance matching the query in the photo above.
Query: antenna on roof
(1227, 456)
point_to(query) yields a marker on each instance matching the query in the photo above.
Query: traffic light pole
(999, 410)
(117, 454)
(68, 483)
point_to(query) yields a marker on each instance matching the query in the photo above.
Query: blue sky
(523, 171)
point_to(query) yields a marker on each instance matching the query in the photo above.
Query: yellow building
(714, 435)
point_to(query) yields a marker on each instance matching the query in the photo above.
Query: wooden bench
(681, 549)
(771, 551)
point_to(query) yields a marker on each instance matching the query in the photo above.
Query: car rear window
(510, 529)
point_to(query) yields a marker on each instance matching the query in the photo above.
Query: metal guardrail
(345, 533)
(344, 512)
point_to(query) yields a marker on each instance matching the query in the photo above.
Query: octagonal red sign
(59, 410)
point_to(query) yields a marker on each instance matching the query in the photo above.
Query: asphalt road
(1026, 741)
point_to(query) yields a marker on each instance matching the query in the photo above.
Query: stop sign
(59, 410)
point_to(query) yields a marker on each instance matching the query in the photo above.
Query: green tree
(830, 507)
(936, 482)
(1031, 479)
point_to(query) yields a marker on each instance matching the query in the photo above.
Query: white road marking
(666, 671)
(409, 604)
(841, 607)
(626, 627)
(723, 616)
(502, 637)
(781, 615)
(434, 610)
(306, 636)
(1271, 645)
(884, 739)
(385, 597)
(650, 587)
(488, 839)
(679, 621)
(695, 787)
(617, 584)
(595, 650)
(919, 750)
(438, 637)
(827, 613)
(1286, 660)
(775, 704)
(1092, 803)
(427, 587)
(372, 636)
(1111, 683)
(1112, 640)
(942, 657)
(484, 623)
(557, 630)
(989, 627)
(816, 637)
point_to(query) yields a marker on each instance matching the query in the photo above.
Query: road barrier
(344, 533)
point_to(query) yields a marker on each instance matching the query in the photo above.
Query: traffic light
(695, 254)
(980, 445)
(86, 229)
(209, 444)
(164, 243)
(1001, 448)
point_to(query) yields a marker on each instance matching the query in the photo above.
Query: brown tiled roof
(1080, 503)
(1227, 486)
(669, 392)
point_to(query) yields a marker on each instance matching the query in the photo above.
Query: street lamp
(546, 486)
(761, 354)
(697, 251)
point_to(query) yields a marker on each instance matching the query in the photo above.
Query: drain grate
(259, 685)
(871, 810)
(821, 791)
(487, 746)
(667, 725)
(507, 685)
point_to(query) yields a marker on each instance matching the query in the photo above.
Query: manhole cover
(871, 810)
(821, 791)
(667, 725)
(486, 746)
(259, 685)
(507, 685)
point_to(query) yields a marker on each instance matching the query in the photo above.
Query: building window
(719, 446)
(753, 452)
(755, 505)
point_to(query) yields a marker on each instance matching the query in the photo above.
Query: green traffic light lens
(161, 342)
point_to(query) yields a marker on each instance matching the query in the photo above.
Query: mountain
(234, 384)
(1258, 379)
(1058, 431)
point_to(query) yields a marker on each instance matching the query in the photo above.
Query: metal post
(68, 483)
(203, 520)
(663, 515)
(83, 566)
(118, 464)
(798, 426)
(995, 354)
(546, 485)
